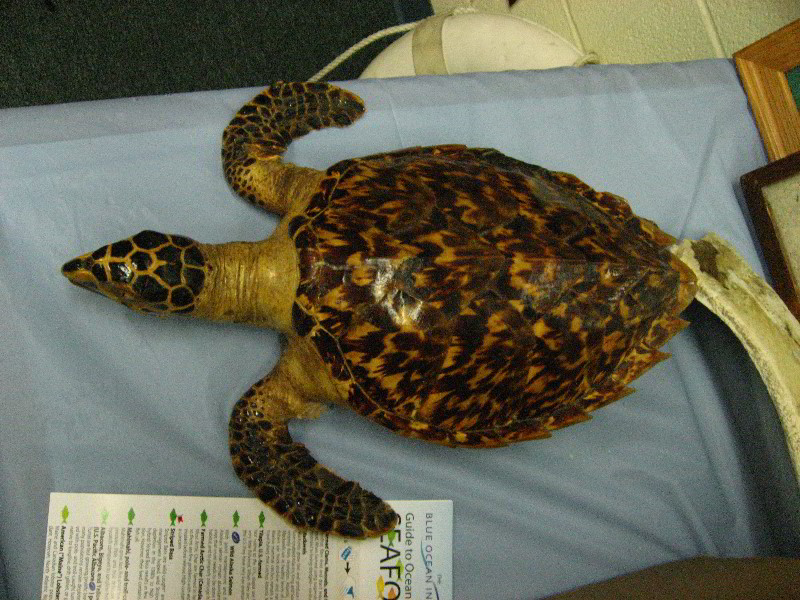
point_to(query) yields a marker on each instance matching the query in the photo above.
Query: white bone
(758, 317)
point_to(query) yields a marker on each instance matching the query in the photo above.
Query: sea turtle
(448, 293)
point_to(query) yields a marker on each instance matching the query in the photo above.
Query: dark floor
(66, 50)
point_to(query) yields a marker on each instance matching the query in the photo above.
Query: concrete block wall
(647, 31)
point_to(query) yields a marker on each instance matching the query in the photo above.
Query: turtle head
(149, 272)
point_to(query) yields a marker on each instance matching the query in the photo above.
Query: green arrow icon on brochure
(104, 517)
(64, 514)
(173, 515)
(131, 515)
(203, 518)
(236, 518)
(391, 535)
(261, 519)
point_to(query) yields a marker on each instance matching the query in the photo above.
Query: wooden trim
(762, 68)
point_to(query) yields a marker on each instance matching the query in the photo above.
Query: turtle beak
(78, 271)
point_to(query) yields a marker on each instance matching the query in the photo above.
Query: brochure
(126, 547)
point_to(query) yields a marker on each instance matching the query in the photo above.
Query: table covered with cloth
(97, 398)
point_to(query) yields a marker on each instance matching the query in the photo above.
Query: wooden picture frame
(762, 68)
(773, 197)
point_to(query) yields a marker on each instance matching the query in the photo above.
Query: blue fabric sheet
(96, 398)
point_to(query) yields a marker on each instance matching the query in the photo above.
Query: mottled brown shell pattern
(465, 297)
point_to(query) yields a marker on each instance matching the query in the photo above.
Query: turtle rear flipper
(284, 475)
(259, 134)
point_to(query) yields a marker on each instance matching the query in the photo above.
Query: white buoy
(468, 41)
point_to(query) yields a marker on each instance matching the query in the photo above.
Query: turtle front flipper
(259, 134)
(284, 475)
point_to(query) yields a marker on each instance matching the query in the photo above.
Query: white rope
(362, 44)
(588, 58)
